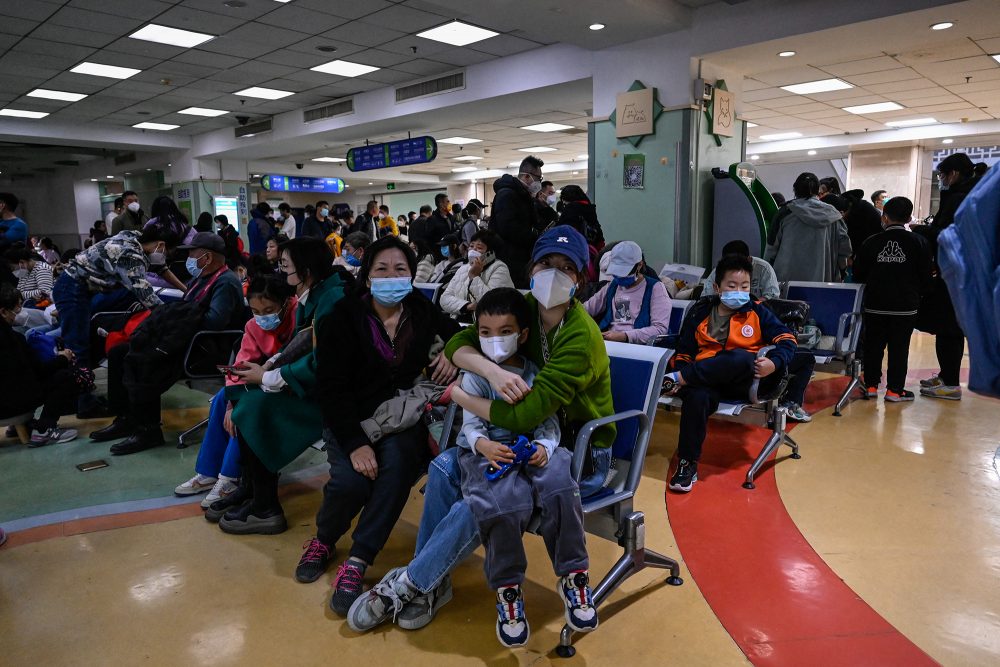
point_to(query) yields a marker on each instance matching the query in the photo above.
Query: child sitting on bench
(503, 507)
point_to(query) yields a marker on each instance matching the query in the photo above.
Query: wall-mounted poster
(723, 112)
(634, 113)
(635, 171)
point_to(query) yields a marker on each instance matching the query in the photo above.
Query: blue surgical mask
(268, 322)
(627, 281)
(445, 251)
(324, 212)
(191, 264)
(349, 258)
(390, 291)
(735, 300)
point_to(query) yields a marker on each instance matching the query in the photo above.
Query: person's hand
(227, 422)
(250, 373)
(67, 354)
(444, 370)
(363, 460)
(540, 457)
(494, 452)
(763, 368)
(510, 386)
(471, 307)
(616, 336)
(475, 267)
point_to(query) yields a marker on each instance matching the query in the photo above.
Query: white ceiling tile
(991, 45)
(791, 75)
(863, 66)
(135, 9)
(917, 94)
(963, 48)
(758, 96)
(873, 79)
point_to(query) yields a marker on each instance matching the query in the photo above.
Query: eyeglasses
(533, 176)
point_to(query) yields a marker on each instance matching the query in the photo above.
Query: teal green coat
(280, 426)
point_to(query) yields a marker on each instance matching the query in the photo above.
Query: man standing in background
(132, 217)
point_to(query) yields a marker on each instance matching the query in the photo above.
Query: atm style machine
(744, 209)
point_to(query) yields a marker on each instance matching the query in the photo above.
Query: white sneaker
(222, 488)
(197, 484)
(53, 435)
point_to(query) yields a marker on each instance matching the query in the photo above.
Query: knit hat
(563, 240)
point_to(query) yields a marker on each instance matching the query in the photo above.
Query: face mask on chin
(552, 288)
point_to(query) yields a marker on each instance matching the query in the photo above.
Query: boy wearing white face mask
(502, 507)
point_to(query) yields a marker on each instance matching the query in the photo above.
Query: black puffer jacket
(582, 216)
(24, 374)
(515, 220)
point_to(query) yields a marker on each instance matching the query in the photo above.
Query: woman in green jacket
(275, 415)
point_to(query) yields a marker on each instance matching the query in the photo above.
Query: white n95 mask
(499, 348)
(552, 288)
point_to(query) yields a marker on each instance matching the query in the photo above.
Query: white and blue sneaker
(512, 626)
(581, 614)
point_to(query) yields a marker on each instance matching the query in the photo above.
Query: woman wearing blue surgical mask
(382, 344)
(450, 249)
(352, 252)
(633, 307)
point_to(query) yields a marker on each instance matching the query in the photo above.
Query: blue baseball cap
(563, 240)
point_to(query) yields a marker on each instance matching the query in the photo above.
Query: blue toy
(523, 450)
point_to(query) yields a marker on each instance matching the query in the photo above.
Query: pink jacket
(659, 312)
(258, 345)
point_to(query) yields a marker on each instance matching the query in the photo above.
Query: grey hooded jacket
(808, 241)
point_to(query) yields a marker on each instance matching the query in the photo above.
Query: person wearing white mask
(132, 217)
(480, 274)
(574, 383)
(545, 203)
(514, 217)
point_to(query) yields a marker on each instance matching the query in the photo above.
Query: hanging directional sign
(277, 183)
(405, 152)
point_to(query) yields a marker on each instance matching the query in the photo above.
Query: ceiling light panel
(457, 33)
(459, 170)
(328, 159)
(21, 113)
(780, 136)
(459, 141)
(874, 108)
(162, 34)
(344, 68)
(200, 111)
(109, 71)
(162, 127)
(912, 122)
(547, 127)
(263, 93)
(537, 149)
(468, 158)
(56, 95)
(822, 86)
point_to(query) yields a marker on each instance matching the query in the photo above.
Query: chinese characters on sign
(393, 154)
(278, 183)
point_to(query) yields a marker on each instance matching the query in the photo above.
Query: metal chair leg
(776, 439)
(854, 384)
(197, 427)
(794, 445)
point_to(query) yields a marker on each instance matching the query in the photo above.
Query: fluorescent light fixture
(329, 159)
(749, 124)
(468, 158)
(811, 153)
(878, 107)
(21, 113)
(786, 54)
(514, 164)
(996, 57)
(247, 136)
(780, 136)
(547, 127)
(110, 177)
(537, 149)
(459, 170)
(163, 127)
(344, 68)
(947, 141)
(93, 180)
(597, 26)
(944, 25)
(171, 36)
(457, 33)
(110, 71)
(754, 157)
(263, 93)
(458, 141)
(912, 122)
(199, 111)
(56, 95)
(575, 173)
(822, 86)
(583, 156)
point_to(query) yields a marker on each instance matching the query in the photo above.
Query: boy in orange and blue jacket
(716, 358)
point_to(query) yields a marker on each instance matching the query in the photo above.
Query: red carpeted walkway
(776, 597)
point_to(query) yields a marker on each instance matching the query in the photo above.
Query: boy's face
(733, 281)
(501, 326)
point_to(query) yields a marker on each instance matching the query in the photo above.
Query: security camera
(243, 120)
(299, 165)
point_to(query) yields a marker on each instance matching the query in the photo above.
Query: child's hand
(494, 452)
(763, 368)
(540, 457)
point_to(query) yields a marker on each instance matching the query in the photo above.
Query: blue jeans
(448, 532)
(72, 299)
(220, 452)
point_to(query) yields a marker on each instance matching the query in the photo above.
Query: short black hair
(412, 213)
(831, 184)
(840, 202)
(426, 208)
(129, 193)
(9, 200)
(531, 162)
(573, 193)
(358, 240)
(438, 198)
(68, 255)
(505, 301)
(321, 203)
(278, 238)
(119, 202)
(546, 184)
(270, 287)
(383, 207)
(264, 207)
(487, 237)
(283, 206)
(980, 168)
(223, 218)
(876, 195)
(386, 243)
(370, 205)
(423, 248)
(736, 247)
(9, 296)
(730, 263)
(20, 254)
(806, 185)
(155, 233)
(778, 198)
(312, 257)
(898, 209)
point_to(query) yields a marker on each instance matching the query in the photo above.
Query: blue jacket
(969, 257)
(259, 231)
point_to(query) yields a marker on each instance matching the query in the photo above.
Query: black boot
(239, 498)
(145, 437)
(121, 427)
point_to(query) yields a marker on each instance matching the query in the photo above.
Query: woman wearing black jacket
(381, 344)
(33, 383)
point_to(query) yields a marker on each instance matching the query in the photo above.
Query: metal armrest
(587, 432)
(231, 333)
(755, 397)
(843, 332)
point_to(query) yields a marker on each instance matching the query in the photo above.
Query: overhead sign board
(278, 183)
(401, 153)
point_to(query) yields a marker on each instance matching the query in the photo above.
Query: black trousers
(402, 459)
(144, 410)
(892, 331)
(263, 482)
(950, 350)
(60, 399)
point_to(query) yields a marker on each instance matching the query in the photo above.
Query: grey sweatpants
(503, 508)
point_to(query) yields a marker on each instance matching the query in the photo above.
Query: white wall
(779, 177)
